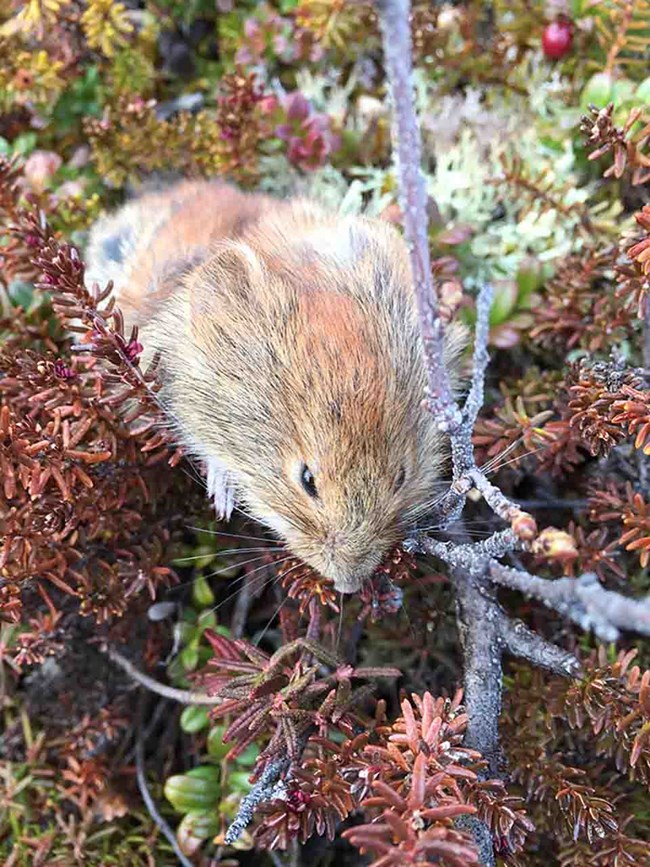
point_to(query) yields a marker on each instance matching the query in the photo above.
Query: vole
(291, 362)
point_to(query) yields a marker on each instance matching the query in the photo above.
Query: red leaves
(633, 275)
(626, 145)
(239, 118)
(283, 696)
(77, 435)
(612, 702)
(621, 504)
(632, 409)
(304, 584)
(580, 307)
(420, 780)
(317, 800)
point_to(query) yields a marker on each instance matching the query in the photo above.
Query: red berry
(557, 38)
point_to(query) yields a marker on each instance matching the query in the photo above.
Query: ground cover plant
(179, 691)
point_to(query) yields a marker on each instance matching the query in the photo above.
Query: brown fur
(288, 336)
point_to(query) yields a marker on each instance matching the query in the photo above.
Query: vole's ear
(227, 275)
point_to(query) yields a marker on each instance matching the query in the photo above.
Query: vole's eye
(399, 481)
(307, 481)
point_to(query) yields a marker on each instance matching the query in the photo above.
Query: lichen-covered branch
(268, 787)
(394, 22)
(583, 600)
(481, 358)
(472, 557)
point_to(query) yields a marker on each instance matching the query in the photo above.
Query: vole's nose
(348, 562)
(347, 584)
(349, 577)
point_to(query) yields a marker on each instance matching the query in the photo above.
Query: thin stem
(150, 803)
(481, 357)
(184, 696)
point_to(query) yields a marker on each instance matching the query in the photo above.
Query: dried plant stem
(184, 696)
(150, 803)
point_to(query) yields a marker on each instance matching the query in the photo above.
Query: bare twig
(518, 640)
(184, 696)
(150, 803)
(502, 506)
(582, 600)
(486, 630)
(482, 686)
(480, 360)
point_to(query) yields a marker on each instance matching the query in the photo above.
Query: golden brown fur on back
(290, 343)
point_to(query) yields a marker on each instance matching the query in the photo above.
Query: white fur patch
(221, 488)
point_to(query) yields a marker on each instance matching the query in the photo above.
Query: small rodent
(291, 362)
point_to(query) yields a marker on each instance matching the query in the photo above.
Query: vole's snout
(348, 585)
(347, 568)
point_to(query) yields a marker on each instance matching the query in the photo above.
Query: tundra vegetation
(174, 690)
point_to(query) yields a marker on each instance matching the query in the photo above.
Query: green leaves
(194, 719)
(195, 829)
(197, 790)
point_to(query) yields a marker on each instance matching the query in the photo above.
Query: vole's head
(309, 382)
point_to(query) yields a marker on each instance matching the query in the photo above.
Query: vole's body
(291, 362)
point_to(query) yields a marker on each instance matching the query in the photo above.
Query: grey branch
(394, 23)
(479, 624)
(495, 499)
(480, 360)
(472, 557)
(486, 630)
(518, 640)
(583, 600)
(184, 696)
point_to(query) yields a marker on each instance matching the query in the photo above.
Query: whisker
(230, 535)
(496, 458)
(256, 642)
(340, 629)
(220, 553)
(264, 583)
(237, 565)
(222, 572)
(517, 458)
